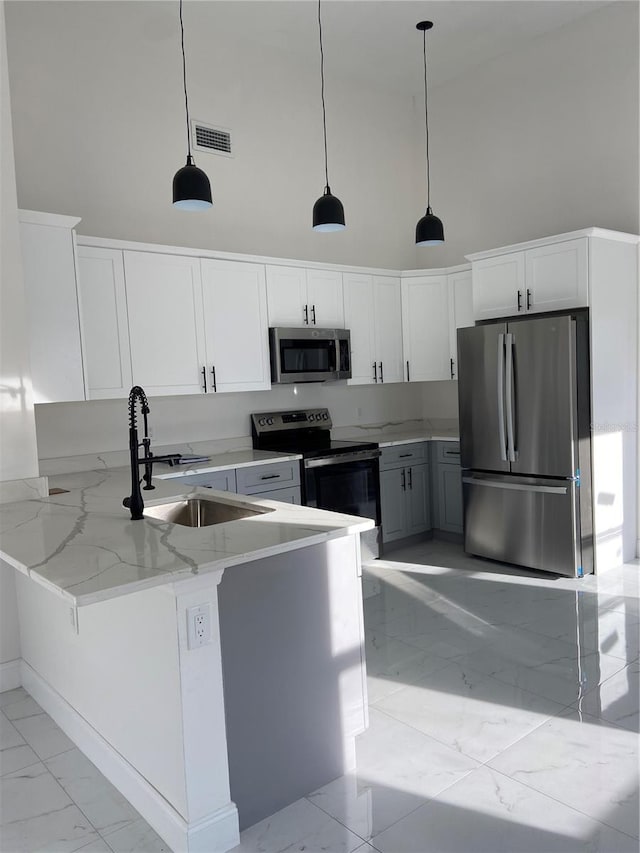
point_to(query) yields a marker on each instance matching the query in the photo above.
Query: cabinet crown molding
(604, 233)
(57, 220)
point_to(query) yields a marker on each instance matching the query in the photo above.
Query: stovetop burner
(305, 431)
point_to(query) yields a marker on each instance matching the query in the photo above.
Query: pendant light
(429, 230)
(328, 212)
(191, 187)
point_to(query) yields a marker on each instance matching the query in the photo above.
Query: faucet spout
(134, 502)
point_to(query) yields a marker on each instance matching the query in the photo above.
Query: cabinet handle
(528, 300)
(213, 374)
(408, 374)
(452, 453)
(204, 378)
(306, 315)
(381, 373)
(410, 479)
(451, 365)
(270, 477)
(313, 314)
(403, 480)
(375, 372)
(519, 301)
(405, 455)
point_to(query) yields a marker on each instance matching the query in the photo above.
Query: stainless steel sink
(200, 512)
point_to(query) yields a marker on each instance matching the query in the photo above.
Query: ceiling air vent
(215, 140)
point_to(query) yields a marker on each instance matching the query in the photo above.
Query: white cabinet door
(52, 312)
(557, 276)
(164, 299)
(460, 312)
(236, 328)
(287, 296)
(417, 497)
(324, 299)
(358, 314)
(425, 328)
(499, 286)
(103, 317)
(388, 328)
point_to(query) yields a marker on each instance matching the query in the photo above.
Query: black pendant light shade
(328, 213)
(191, 187)
(429, 230)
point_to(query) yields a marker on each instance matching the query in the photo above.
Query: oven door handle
(342, 459)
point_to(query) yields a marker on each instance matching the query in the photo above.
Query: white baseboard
(10, 676)
(216, 833)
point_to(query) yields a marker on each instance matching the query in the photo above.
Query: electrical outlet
(198, 626)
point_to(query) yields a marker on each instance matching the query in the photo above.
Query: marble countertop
(224, 462)
(401, 432)
(83, 546)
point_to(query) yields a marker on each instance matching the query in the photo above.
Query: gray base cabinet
(275, 481)
(447, 487)
(404, 491)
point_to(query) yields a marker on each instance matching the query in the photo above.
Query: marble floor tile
(10, 696)
(27, 707)
(105, 807)
(15, 754)
(616, 699)
(296, 828)
(392, 664)
(136, 837)
(37, 815)
(473, 713)
(99, 846)
(490, 813)
(584, 762)
(398, 770)
(44, 737)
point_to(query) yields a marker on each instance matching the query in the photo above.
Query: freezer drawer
(523, 520)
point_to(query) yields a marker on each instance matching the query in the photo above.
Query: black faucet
(135, 502)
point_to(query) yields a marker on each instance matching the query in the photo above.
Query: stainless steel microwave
(309, 354)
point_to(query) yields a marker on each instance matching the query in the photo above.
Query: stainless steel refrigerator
(523, 388)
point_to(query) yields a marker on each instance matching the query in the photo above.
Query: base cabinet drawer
(222, 481)
(256, 479)
(292, 495)
(402, 455)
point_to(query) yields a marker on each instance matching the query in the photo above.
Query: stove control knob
(312, 417)
(270, 421)
(262, 421)
(325, 416)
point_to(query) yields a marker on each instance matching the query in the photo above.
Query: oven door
(348, 483)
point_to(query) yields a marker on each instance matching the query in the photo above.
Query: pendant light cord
(324, 112)
(184, 78)
(426, 112)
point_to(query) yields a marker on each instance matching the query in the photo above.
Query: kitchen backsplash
(100, 427)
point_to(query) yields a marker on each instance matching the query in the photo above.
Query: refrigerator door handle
(511, 444)
(500, 385)
(516, 487)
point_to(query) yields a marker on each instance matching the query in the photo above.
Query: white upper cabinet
(388, 328)
(373, 314)
(164, 297)
(48, 259)
(557, 276)
(460, 312)
(549, 277)
(236, 330)
(425, 328)
(304, 297)
(103, 318)
(359, 319)
(324, 298)
(498, 286)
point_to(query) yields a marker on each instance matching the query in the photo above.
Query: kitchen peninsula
(189, 663)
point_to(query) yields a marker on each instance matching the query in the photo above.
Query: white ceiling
(377, 40)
